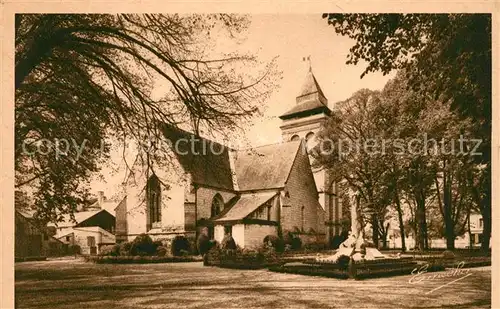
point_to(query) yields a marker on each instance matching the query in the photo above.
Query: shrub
(228, 242)
(193, 245)
(75, 249)
(336, 241)
(110, 250)
(274, 242)
(161, 251)
(179, 244)
(292, 241)
(158, 243)
(343, 260)
(448, 254)
(124, 249)
(315, 246)
(203, 244)
(143, 245)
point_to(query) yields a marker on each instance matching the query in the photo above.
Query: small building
(89, 230)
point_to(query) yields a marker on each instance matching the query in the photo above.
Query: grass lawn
(76, 284)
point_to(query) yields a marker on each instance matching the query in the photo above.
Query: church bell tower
(304, 121)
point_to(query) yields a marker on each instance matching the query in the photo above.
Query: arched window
(217, 205)
(295, 137)
(154, 199)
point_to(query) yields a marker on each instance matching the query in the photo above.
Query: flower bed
(331, 270)
(141, 259)
(384, 267)
(357, 270)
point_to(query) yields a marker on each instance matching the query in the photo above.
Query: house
(247, 193)
(32, 240)
(89, 230)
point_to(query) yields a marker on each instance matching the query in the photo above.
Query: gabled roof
(265, 167)
(206, 165)
(79, 218)
(108, 205)
(246, 204)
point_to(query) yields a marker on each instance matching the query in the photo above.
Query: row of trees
(424, 141)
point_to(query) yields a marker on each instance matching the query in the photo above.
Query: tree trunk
(375, 230)
(421, 241)
(449, 224)
(468, 229)
(385, 231)
(400, 218)
(485, 244)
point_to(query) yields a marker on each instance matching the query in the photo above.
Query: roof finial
(308, 58)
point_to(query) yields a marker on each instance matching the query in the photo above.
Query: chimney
(100, 198)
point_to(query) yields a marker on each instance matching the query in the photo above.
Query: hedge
(241, 258)
(30, 258)
(141, 259)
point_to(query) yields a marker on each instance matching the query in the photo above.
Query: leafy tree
(86, 78)
(345, 146)
(446, 56)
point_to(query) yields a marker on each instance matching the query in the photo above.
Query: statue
(355, 245)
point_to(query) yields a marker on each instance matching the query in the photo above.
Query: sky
(291, 37)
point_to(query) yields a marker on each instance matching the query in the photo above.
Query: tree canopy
(446, 61)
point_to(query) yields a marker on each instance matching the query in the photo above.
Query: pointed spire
(311, 90)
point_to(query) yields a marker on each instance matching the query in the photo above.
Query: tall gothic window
(154, 199)
(217, 205)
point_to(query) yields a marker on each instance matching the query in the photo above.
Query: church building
(250, 193)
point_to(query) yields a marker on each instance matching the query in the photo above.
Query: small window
(309, 136)
(295, 137)
(228, 230)
(91, 241)
(480, 223)
(67, 238)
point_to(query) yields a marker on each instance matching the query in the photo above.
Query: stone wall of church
(204, 197)
(121, 229)
(255, 234)
(301, 210)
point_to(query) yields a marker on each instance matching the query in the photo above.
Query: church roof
(311, 99)
(205, 166)
(265, 167)
(246, 204)
(259, 168)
